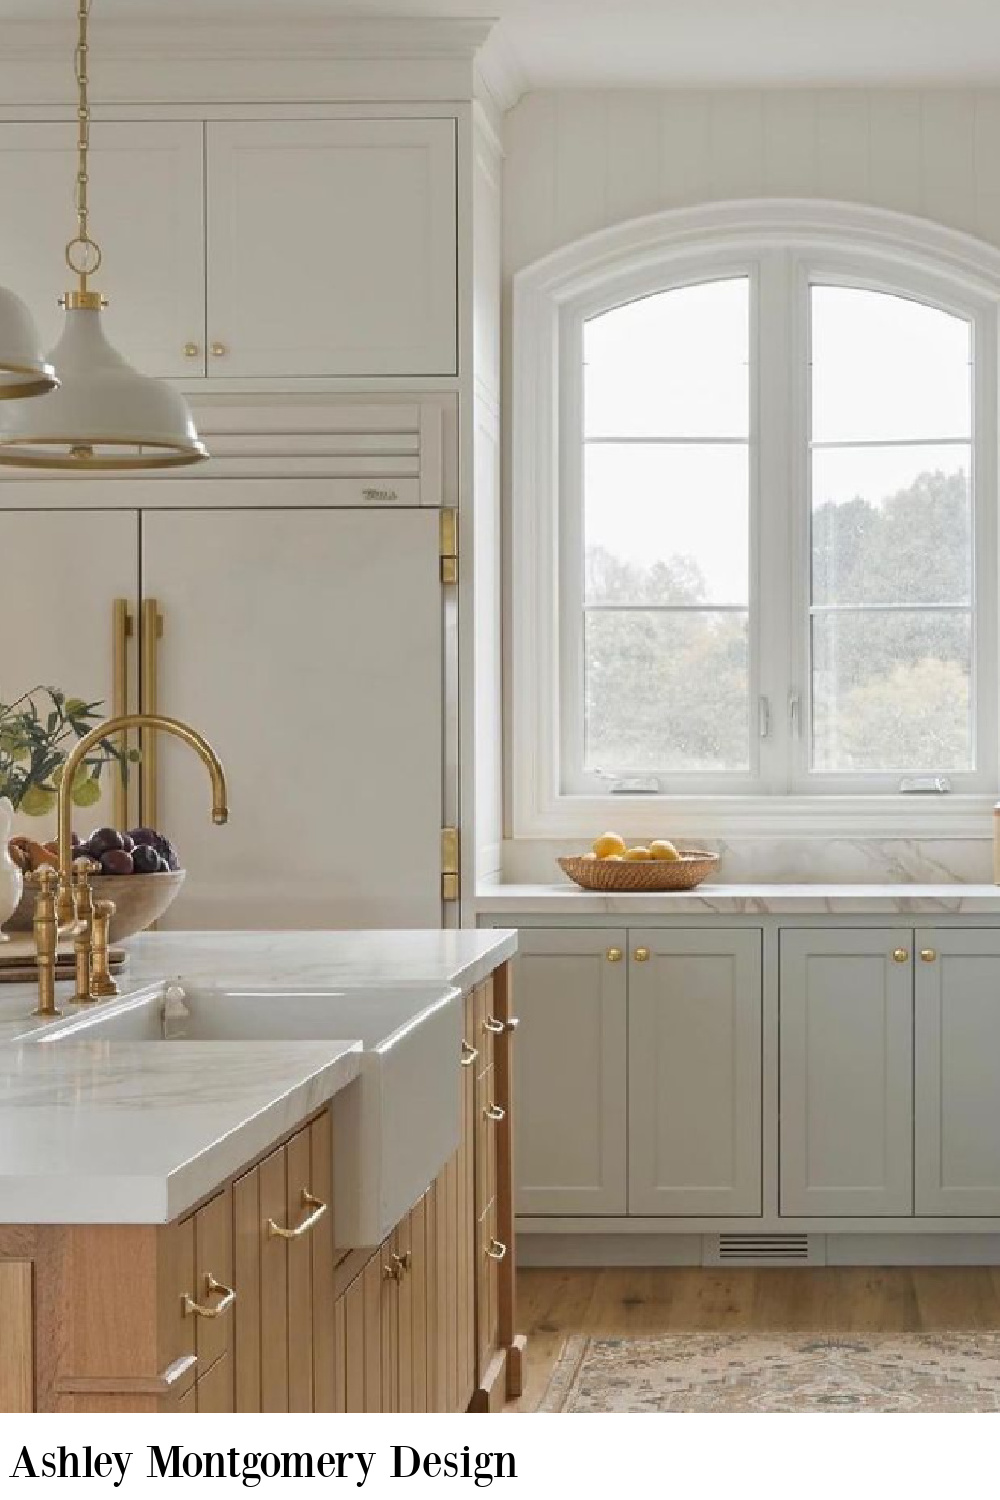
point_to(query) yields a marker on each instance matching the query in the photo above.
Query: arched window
(772, 551)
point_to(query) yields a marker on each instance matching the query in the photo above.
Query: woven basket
(641, 875)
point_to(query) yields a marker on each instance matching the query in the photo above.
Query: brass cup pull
(899, 955)
(496, 1250)
(494, 1113)
(641, 955)
(469, 1053)
(928, 955)
(192, 350)
(404, 1261)
(392, 1273)
(614, 955)
(308, 1201)
(493, 1026)
(199, 1310)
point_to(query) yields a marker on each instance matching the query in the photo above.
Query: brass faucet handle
(83, 932)
(102, 986)
(44, 880)
(46, 936)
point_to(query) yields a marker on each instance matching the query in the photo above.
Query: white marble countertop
(137, 1132)
(752, 900)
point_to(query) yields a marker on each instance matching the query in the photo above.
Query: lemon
(608, 844)
(37, 801)
(663, 849)
(611, 858)
(86, 791)
(640, 852)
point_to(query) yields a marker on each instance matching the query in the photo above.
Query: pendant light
(104, 415)
(24, 371)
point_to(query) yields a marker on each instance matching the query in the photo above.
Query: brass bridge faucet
(67, 895)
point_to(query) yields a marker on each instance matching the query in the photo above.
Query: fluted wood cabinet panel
(356, 272)
(957, 1072)
(570, 1113)
(846, 1071)
(17, 1366)
(694, 1079)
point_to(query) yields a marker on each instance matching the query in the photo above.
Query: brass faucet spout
(176, 727)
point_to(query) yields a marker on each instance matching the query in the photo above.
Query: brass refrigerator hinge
(449, 546)
(450, 870)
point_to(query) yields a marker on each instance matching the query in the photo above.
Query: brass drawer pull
(469, 1053)
(899, 955)
(493, 1026)
(614, 955)
(641, 955)
(496, 1250)
(308, 1201)
(494, 1113)
(198, 1309)
(400, 1265)
(928, 955)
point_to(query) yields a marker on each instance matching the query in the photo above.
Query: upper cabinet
(332, 247)
(267, 248)
(147, 195)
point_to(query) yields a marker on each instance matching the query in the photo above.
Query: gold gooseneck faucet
(66, 907)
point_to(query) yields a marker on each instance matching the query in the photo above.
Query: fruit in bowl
(613, 846)
(138, 869)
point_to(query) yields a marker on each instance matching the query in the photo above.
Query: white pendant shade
(24, 370)
(104, 415)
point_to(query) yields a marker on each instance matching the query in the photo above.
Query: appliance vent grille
(763, 1250)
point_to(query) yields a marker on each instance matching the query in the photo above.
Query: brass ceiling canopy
(104, 415)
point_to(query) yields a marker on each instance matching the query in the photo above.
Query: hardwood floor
(554, 1303)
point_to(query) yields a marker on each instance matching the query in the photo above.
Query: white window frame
(783, 246)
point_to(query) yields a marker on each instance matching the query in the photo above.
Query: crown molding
(185, 40)
(500, 73)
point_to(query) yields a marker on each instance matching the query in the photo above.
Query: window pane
(892, 525)
(892, 691)
(666, 523)
(666, 690)
(674, 364)
(885, 367)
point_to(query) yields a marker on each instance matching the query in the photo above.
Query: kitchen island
(178, 1228)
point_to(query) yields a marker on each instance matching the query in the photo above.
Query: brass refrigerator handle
(121, 630)
(152, 629)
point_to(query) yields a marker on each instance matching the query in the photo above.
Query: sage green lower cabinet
(694, 1072)
(570, 1091)
(957, 1070)
(846, 1071)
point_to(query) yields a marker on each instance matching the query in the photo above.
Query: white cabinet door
(570, 1113)
(957, 1072)
(307, 646)
(694, 1072)
(332, 247)
(147, 212)
(64, 571)
(846, 1072)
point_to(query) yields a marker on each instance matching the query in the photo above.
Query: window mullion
(774, 557)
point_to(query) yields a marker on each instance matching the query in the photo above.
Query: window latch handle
(763, 717)
(794, 714)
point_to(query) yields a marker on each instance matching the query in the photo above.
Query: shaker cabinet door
(307, 646)
(147, 212)
(332, 247)
(846, 1072)
(570, 1113)
(694, 1072)
(957, 1071)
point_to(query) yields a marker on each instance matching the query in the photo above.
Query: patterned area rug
(751, 1372)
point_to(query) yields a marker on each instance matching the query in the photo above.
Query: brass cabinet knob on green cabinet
(928, 955)
(641, 955)
(899, 955)
(614, 955)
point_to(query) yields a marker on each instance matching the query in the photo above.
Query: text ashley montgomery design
(176, 1462)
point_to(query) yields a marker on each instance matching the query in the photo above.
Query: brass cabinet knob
(469, 1054)
(641, 955)
(219, 350)
(614, 955)
(192, 350)
(928, 955)
(899, 955)
(496, 1249)
(494, 1113)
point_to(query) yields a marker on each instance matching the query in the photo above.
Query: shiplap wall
(577, 162)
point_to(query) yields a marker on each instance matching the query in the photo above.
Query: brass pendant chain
(83, 255)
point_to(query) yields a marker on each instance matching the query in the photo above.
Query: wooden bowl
(612, 875)
(139, 901)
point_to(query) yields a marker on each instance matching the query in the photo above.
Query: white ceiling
(597, 43)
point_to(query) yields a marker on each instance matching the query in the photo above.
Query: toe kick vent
(763, 1250)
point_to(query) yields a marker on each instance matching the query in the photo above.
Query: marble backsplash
(798, 860)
